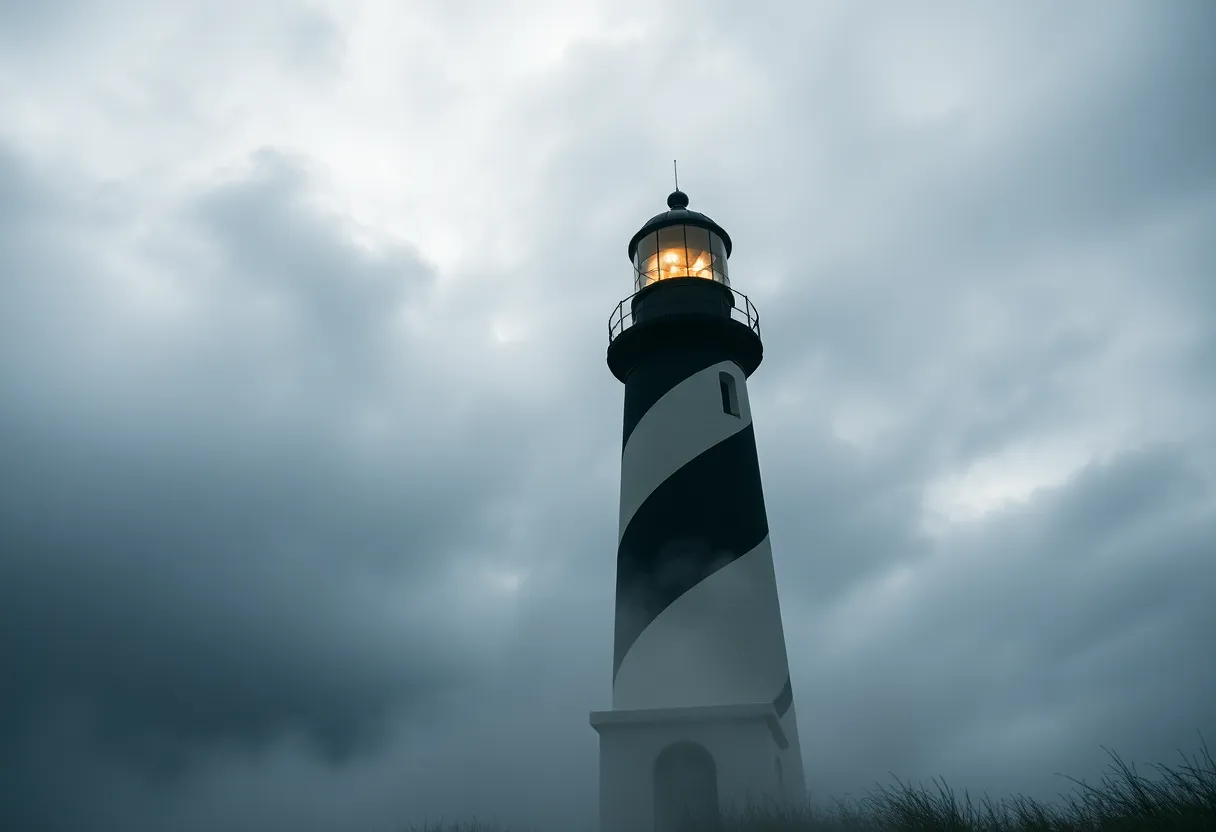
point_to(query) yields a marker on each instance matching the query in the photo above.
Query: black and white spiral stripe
(698, 620)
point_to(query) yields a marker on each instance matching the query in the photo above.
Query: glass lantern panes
(699, 260)
(673, 257)
(679, 251)
(719, 252)
(647, 261)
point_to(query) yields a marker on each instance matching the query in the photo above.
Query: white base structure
(661, 766)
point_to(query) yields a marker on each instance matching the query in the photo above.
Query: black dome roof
(678, 214)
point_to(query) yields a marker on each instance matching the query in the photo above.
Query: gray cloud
(1020, 644)
(196, 549)
(299, 527)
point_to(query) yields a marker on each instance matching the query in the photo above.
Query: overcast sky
(309, 455)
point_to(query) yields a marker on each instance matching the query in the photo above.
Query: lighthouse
(702, 714)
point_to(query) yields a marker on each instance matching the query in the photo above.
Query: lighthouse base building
(702, 717)
(661, 766)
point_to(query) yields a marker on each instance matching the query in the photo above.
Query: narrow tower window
(730, 396)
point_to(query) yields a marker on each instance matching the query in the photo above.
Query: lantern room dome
(678, 214)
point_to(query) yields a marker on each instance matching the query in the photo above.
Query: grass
(1182, 799)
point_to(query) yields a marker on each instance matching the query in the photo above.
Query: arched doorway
(685, 787)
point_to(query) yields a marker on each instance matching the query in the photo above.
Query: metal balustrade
(622, 317)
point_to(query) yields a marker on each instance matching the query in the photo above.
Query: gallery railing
(623, 316)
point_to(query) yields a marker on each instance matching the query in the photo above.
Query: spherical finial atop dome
(677, 200)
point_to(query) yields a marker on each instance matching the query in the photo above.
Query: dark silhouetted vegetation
(1181, 799)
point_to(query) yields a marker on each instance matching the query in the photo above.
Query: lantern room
(679, 243)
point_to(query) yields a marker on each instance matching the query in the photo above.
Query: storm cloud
(309, 456)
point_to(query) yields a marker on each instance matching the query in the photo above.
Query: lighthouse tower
(702, 712)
